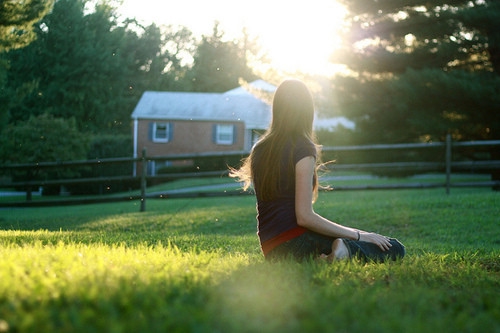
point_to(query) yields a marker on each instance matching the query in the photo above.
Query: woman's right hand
(381, 241)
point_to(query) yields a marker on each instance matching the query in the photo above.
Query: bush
(44, 138)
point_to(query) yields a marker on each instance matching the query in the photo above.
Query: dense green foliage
(82, 65)
(194, 265)
(421, 69)
(17, 25)
(90, 65)
(219, 65)
(422, 34)
(40, 139)
(17, 21)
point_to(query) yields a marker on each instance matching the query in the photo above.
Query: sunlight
(297, 36)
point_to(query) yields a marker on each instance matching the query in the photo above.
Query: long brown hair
(293, 115)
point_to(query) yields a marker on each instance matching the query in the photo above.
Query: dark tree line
(421, 69)
(418, 69)
(90, 68)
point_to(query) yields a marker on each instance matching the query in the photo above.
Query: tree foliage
(422, 69)
(88, 65)
(43, 138)
(17, 21)
(390, 36)
(17, 24)
(218, 64)
(81, 66)
(424, 105)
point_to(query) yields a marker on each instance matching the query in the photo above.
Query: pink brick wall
(188, 137)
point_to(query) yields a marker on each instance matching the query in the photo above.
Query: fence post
(29, 189)
(143, 180)
(448, 162)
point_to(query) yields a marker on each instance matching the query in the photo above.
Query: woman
(282, 167)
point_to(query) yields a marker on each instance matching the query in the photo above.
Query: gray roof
(234, 105)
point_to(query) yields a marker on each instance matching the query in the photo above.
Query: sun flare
(305, 36)
(296, 35)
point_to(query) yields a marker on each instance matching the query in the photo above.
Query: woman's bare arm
(307, 218)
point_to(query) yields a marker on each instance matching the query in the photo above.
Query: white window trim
(219, 132)
(167, 130)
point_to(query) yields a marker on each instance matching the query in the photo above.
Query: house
(170, 123)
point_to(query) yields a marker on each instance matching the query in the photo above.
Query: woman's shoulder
(305, 143)
(304, 147)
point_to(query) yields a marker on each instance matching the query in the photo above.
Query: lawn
(194, 265)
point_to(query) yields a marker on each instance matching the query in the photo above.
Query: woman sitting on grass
(282, 167)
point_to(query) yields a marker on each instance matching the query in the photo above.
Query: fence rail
(446, 165)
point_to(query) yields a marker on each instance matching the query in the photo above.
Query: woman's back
(276, 213)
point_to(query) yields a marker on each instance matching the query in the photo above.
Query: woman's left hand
(381, 241)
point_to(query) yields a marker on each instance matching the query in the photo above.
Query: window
(162, 132)
(224, 134)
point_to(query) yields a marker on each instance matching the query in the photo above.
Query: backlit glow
(296, 35)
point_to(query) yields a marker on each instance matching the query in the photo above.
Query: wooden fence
(445, 164)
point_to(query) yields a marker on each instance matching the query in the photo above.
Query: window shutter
(214, 133)
(151, 131)
(235, 134)
(170, 131)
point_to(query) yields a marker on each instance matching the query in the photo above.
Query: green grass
(194, 265)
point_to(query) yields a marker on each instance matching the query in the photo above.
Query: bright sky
(298, 35)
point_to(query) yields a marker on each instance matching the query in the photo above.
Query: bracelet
(359, 236)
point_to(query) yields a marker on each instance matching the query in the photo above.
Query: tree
(39, 140)
(484, 20)
(423, 105)
(390, 36)
(85, 65)
(421, 69)
(218, 64)
(17, 20)
(165, 49)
